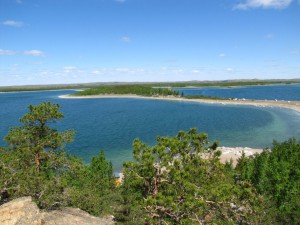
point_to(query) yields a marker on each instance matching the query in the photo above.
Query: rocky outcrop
(71, 216)
(23, 211)
(20, 211)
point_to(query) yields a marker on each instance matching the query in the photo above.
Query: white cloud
(222, 55)
(96, 72)
(7, 52)
(29, 52)
(277, 4)
(229, 69)
(68, 69)
(34, 53)
(12, 23)
(196, 71)
(118, 71)
(125, 39)
(126, 71)
(122, 70)
(72, 72)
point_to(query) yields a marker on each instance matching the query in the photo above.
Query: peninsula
(165, 91)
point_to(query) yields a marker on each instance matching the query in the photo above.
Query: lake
(112, 124)
(268, 92)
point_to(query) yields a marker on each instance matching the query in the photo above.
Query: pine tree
(181, 180)
(35, 160)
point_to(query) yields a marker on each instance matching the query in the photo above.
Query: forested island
(180, 180)
(140, 90)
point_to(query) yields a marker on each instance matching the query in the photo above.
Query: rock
(70, 216)
(23, 211)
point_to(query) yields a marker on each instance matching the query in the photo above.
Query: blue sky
(78, 41)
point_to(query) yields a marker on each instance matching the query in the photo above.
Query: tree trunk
(37, 161)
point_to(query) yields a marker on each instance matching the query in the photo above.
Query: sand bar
(293, 105)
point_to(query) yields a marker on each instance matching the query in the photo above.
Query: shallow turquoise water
(112, 124)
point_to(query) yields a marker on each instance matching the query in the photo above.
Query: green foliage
(35, 160)
(143, 90)
(276, 174)
(181, 181)
(101, 171)
(91, 187)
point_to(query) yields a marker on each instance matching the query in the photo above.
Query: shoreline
(292, 105)
(235, 153)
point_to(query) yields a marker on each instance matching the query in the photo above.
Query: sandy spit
(235, 153)
(294, 105)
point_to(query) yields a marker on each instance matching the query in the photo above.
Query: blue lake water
(112, 124)
(268, 92)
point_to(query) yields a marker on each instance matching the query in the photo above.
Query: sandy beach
(293, 105)
(235, 153)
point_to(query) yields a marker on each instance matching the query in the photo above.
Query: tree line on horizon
(224, 83)
(169, 183)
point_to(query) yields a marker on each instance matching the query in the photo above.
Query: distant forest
(225, 83)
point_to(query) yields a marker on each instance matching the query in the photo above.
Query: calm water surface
(269, 92)
(112, 124)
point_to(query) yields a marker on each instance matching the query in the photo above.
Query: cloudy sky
(75, 41)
